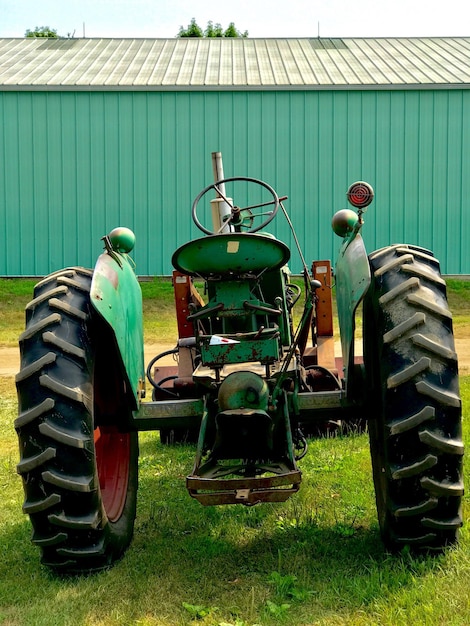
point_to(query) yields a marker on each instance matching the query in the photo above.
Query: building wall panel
(76, 164)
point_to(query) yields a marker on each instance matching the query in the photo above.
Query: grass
(158, 306)
(14, 295)
(160, 323)
(315, 560)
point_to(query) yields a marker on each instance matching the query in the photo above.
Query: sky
(261, 18)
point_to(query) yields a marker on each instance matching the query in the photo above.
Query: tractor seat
(232, 254)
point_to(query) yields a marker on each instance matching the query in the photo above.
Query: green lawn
(316, 559)
(158, 304)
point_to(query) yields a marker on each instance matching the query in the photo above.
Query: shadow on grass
(220, 558)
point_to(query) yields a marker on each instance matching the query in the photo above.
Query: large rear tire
(78, 455)
(414, 405)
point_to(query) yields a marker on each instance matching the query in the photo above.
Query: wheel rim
(112, 459)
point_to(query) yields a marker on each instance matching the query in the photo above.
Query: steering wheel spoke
(239, 218)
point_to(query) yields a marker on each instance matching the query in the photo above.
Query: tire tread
(55, 425)
(411, 369)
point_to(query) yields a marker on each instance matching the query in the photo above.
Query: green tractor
(248, 385)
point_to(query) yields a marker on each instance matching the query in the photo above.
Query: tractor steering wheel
(239, 218)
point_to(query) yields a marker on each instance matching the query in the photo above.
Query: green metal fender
(352, 282)
(352, 274)
(117, 297)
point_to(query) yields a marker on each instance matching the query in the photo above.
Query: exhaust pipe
(221, 210)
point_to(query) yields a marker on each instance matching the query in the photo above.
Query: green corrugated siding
(74, 165)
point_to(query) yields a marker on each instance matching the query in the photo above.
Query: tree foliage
(193, 30)
(42, 31)
(212, 30)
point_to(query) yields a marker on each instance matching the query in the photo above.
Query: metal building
(98, 133)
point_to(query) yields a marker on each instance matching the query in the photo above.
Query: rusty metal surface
(324, 305)
(185, 294)
(249, 498)
(262, 350)
(168, 414)
(246, 490)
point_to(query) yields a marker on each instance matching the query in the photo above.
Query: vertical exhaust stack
(221, 209)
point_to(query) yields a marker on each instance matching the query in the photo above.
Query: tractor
(251, 381)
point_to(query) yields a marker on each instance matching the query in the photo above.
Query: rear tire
(78, 465)
(414, 405)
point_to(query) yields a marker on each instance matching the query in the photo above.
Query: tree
(42, 31)
(193, 30)
(212, 30)
(233, 32)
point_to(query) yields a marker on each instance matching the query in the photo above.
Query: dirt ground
(10, 360)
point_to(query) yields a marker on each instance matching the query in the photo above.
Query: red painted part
(321, 271)
(165, 371)
(182, 289)
(185, 294)
(360, 194)
(112, 459)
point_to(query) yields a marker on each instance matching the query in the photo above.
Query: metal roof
(169, 64)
